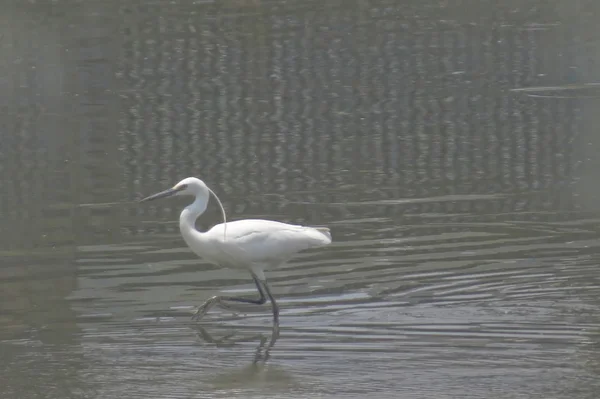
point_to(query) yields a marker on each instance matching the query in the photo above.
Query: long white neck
(187, 222)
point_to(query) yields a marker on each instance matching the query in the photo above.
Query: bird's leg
(204, 308)
(273, 303)
(201, 311)
(259, 301)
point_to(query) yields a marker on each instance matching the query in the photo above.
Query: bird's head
(188, 186)
(194, 187)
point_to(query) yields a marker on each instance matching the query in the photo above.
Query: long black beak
(162, 194)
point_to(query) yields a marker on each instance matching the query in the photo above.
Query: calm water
(465, 211)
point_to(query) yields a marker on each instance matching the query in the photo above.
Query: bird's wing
(269, 242)
(273, 247)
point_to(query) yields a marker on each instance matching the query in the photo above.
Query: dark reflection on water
(464, 212)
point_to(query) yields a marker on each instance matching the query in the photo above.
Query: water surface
(450, 147)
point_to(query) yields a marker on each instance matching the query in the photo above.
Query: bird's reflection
(260, 374)
(262, 353)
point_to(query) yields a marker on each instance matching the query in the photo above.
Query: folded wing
(268, 242)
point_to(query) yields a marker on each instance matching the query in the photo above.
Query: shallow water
(463, 207)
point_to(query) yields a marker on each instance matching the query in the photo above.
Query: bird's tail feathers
(325, 231)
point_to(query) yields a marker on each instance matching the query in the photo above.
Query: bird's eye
(182, 187)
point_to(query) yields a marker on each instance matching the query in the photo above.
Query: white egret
(252, 244)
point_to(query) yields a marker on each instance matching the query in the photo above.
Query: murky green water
(464, 212)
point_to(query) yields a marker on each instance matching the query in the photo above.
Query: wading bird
(252, 244)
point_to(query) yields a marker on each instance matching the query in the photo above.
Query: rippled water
(451, 149)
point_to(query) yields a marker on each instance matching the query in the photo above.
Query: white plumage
(256, 244)
(253, 244)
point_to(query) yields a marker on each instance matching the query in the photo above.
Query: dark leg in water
(222, 299)
(272, 299)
